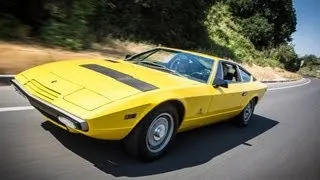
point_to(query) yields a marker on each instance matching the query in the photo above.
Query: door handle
(244, 93)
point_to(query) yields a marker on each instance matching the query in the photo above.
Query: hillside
(225, 32)
(16, 57)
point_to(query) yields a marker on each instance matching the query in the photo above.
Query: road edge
(292, 86)
(5, 79)
(279, 81)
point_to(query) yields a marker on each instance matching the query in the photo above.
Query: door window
(230, 72)
(246, 77)
(219, 72)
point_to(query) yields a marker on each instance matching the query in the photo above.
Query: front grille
(49, 112)
(42, 91)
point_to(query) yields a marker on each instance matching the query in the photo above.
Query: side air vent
(113, 61)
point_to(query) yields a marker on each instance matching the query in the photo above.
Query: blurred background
(256, 33)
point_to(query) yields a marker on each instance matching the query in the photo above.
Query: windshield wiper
(160, 67)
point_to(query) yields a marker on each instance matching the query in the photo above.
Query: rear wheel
(151, 138)
(246, 114)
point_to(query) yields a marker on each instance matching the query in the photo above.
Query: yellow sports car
(143, 100)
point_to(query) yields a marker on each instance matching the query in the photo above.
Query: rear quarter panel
(254, 89)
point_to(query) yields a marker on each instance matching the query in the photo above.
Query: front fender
(110, 121)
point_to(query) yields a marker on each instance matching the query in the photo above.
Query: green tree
(67, 24)
(311, 65)
(259, 30)
(287, 56)
(277, 16)
(310, 60)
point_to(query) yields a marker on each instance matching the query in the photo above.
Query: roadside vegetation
(250, 32)
(18, 56)
(310, 66)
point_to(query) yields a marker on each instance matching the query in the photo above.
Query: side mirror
(128, 56)
(220, 83)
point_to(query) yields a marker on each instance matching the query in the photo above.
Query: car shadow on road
(190, 148)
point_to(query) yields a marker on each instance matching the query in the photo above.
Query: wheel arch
(133, 139)
(178, 104)
(180, 107)
(256, 99)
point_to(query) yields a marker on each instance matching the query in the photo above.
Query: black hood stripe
(119, 76)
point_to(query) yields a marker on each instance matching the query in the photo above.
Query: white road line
(19, 108)
(287, 87)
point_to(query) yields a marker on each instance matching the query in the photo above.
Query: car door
(226, 102)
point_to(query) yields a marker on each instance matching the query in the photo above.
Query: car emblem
(54, 81)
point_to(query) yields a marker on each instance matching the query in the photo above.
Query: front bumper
(49, 110)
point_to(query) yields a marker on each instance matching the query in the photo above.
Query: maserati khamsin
(143, 100)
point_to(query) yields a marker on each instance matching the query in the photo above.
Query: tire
(245, 116)
(152, 136)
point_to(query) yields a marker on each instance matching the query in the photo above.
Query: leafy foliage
(310, 66)
(286, 55)
(68, 25)
(227, 33)
(258, 29)
(222, 30)
(12, 28)
(173, 23)
(273, 20)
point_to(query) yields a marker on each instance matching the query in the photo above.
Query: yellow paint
(90, 101)
(103, 102)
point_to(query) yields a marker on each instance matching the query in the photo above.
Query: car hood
(93, 83)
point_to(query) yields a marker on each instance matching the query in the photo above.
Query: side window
(230, 73)
(244, 75)
(219, 72)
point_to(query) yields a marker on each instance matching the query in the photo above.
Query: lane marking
(287, 87)
(19, 108)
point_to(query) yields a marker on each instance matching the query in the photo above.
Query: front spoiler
(49, 110)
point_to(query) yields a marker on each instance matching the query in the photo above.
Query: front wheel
(152, 136)
(246, 114)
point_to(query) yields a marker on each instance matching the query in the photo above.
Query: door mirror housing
(218, 82)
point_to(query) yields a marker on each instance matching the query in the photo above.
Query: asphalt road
(282, 142)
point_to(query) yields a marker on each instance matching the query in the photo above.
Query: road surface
(282, 142)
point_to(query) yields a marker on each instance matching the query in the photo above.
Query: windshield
(178, 63)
